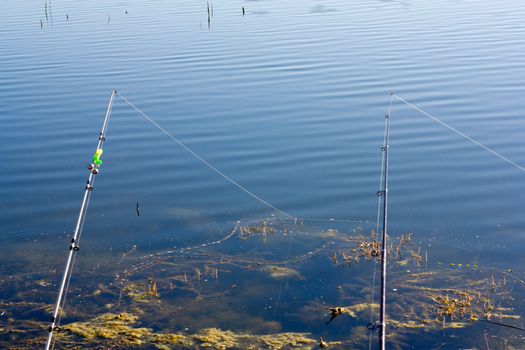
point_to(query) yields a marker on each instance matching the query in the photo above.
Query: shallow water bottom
(267, 284)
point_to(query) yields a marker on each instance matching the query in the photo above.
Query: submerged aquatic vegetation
(468, 298)
(211, 296)
(369, 249)
(119, 330)
(281, 272)
(287, 340)
(138, 293)
(263, 228)
(117, 327)
(214, 338)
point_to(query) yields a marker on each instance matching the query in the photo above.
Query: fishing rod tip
(115, 91)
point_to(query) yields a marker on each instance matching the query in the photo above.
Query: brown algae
(119, 329)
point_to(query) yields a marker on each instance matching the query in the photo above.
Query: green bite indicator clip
(96, 157)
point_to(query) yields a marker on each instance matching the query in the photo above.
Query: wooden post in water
(74, 247)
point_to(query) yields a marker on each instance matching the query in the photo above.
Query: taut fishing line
(451, 128)
(204, 161)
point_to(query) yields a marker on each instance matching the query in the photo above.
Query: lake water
(288, 100)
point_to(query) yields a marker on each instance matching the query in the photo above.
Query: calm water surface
(289, 100)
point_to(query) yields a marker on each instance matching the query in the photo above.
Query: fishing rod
(94, 169)
(384, 194)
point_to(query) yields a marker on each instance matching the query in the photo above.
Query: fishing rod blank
(93, 167)
(384, 194)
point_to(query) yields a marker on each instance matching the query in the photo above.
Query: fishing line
(204, 161)
(226, 177)
(335, 220)
(203, 245)
(477, 143)
(226, 259)
(503, 324)
(281, 286)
